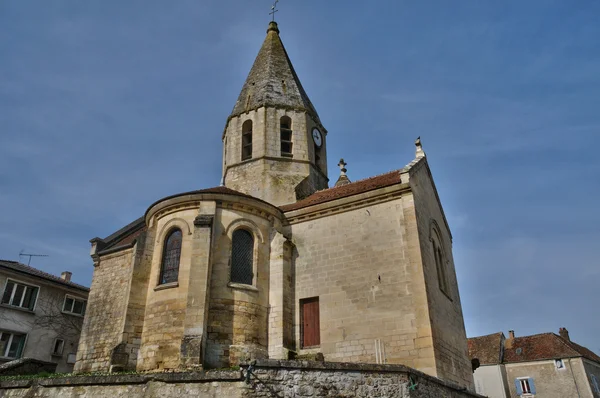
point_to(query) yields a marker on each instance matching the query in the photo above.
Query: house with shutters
(275, 262)
(40, 315)
(542, 365)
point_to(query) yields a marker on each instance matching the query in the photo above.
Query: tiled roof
(26, 269)
(486, 348)
(536, 347)
(326, 195)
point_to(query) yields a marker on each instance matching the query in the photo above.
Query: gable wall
(360, 263)
(549, 381)
(449, 335)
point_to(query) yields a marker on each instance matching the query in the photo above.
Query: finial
(342, 165)
(273, 27)
(343, 180)
(274, 10)
(419, 153)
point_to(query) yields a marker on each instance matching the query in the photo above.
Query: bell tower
(274, 145)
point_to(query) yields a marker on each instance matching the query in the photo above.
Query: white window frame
(62, 347)
(70, 312)
(12, 295)
(12, 335)
(560, 362)
(521, 380)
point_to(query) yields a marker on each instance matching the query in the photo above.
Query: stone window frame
(247, 129)
(440, 258)
(286, 130)
(174, 223)
(161, 264)
(257, 235)
(27, 285)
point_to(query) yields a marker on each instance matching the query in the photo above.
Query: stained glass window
(242, 252)
(169, 270)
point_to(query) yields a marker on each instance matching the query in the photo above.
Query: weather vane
(274, 9)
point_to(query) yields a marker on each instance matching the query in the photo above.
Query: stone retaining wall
(268, 379)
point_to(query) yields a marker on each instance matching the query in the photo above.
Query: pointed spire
(272, 80)
(343, 180)
(419, 152)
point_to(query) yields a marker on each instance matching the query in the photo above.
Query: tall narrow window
(440, 266)
(169, 269)
(247, 140)
(286, 136)
(310, 323)
(242, 252)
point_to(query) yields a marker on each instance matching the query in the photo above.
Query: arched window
(247, 140)
(286, 136)
(169, 267)
(242, 253)
(438, 254)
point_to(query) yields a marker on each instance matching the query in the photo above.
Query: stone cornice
(224, 200)
(349, 203)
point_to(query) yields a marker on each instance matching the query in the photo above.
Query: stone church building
(274, 263)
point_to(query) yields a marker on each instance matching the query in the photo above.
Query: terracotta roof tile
(26, 269)
(536, 347)
(326, 195)
(486, 348)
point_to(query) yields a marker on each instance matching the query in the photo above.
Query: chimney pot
(511, 334)
(66, 276)
(564, 333)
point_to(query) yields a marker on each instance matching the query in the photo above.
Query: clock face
(317, 138)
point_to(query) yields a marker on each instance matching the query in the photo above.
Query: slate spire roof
(272, 80)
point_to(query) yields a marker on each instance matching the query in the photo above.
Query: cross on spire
(274, 9)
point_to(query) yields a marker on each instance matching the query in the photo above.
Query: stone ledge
(269, 364)
(127, 379)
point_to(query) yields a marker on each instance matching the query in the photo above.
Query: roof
(486, 348)
(272, 81)
(26, 269)
(342, 191)
(536, 347)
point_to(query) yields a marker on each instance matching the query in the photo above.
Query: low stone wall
(266, 379)
(27, 366)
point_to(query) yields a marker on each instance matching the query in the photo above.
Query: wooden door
(310, 322)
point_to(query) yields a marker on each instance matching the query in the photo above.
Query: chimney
(508, 343)
(66, 276)
(564, 333)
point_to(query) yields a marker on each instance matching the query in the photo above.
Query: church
(276, 264)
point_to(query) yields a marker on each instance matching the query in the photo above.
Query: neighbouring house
(275, 263)
(40, 315)
(544, 365)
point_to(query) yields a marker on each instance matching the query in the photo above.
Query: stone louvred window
(286, 136)
(247, 140)
(242, 252)
(169, 270)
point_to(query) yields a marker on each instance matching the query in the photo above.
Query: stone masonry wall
(268, 379)
(267, 175)
(105, 313)
(445, 311)
(358, 263)
(549, 381)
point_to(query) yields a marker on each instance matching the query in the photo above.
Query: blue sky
(107, 106)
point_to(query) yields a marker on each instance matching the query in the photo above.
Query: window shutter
(518, 387)
(531, 386)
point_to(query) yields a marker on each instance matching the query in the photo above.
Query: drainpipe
(574, 379)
